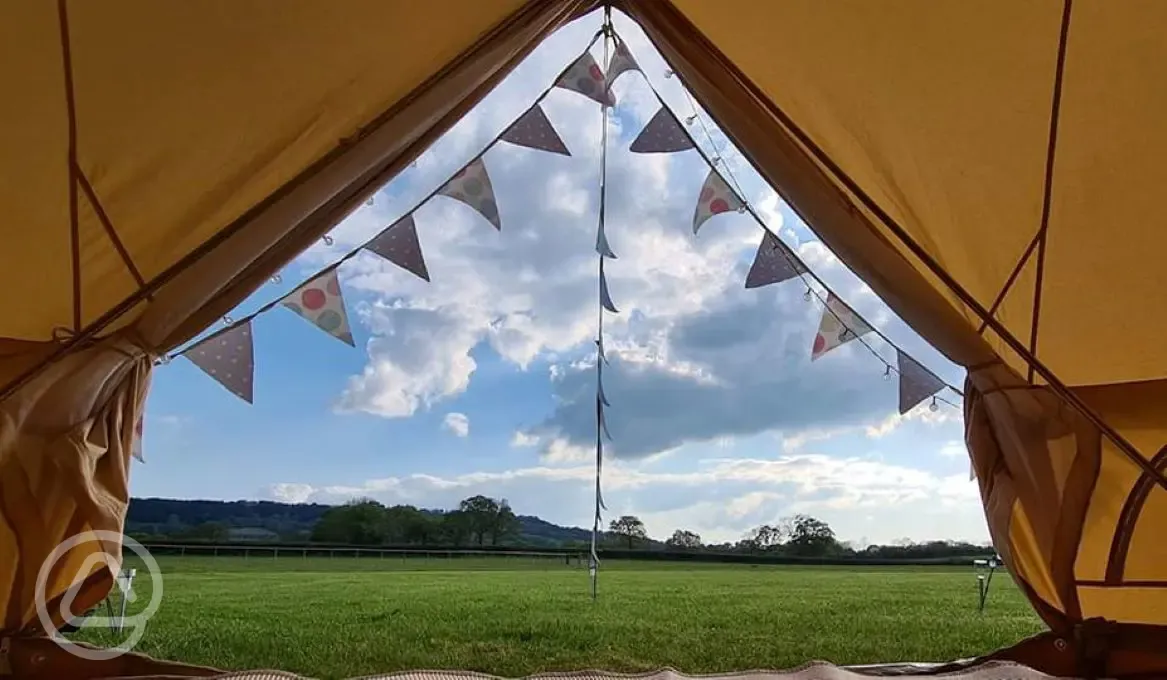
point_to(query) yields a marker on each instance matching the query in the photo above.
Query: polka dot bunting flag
(472, 187)
(534, 131)
(839, 326)
(399, 244)
(585, 77)
(321, 302)
(228, 357)
(621, 62)
(716, 197)
(916, 382)
(663, 134)
(773, 263)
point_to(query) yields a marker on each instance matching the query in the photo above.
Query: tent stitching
(71, 113)
(1047, 191)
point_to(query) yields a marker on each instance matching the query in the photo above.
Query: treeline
(480, 522)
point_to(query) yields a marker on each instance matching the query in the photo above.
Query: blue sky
(481, 381)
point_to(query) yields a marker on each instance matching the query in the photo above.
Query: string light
(228, 320)
(668, 73)
(369, 202)
(934, 407)
(807, 295)
(327, 240)
(689, 120)
(887, 372)
(276, 278)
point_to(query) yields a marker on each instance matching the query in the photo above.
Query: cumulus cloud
(694, 356)
(458, 423)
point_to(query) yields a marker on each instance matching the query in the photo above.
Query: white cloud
(954, 449)
(722, 497)
(458, 423)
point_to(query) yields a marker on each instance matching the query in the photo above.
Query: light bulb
(934, 406)
(887, 373)
(807, 295)
(327, 240)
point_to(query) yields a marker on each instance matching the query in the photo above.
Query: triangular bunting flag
(585, 77)
(605, 296)
(600, 500)
(321, 302)
(774, 263)
(472, 187)
(621, 62)
(602, 245)
(600, 351)
(228, 357)
(600, 386)
(916, 382)
(840, 325)
(662, 134)
(399, 244)
(716, 197)
(534, 131)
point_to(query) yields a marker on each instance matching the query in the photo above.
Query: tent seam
(836, 173)
(71, 114)
(230, 230)
(103, 217)
(1047, 192)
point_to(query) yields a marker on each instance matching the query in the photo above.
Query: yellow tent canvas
(992, 174)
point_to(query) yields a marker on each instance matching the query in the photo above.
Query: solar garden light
(984, 570)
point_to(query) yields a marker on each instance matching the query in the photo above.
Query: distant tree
(630, 528)
(483, 516)
(361, 522)
(763, 538)
(810, 537)
(505, 523)
(456, 527)
(685, 540)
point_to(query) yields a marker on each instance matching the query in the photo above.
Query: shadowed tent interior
(993, 175)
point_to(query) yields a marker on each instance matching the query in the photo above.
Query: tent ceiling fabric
(187, 116)
(913, 135)
(941, 115)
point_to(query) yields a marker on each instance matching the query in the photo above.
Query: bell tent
(991, 171)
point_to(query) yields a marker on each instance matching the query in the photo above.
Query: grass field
(346, 617)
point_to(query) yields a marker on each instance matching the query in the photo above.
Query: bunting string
(320, 299)
(622, 59)
(718, 196)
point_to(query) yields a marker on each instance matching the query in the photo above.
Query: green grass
(347, 617)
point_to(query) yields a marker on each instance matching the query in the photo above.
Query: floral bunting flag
(399, 244)
(773, 263)
(716, 197)
(602, 245)
(605, 296)
(228, 357)
(840, 325)
(621, 62)
(534, 131)
(916, 382)
(472, 186)
(321, 302)
(585, 77)
(662, 134)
